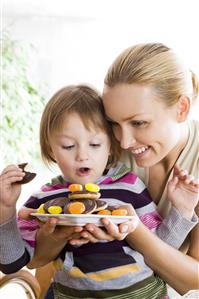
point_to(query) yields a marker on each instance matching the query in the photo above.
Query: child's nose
(82, 155)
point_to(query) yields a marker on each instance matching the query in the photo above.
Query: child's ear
(183, 108)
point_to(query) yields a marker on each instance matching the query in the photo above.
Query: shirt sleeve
(15, 252)
(175, 228)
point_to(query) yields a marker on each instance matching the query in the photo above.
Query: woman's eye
(138, 123)
(112, 123)
(67, 147)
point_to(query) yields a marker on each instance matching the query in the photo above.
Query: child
(75, 135)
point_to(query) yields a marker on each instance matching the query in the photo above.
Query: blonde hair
(156, 65)
(80, 99)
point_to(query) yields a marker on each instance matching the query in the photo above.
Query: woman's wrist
(186, 213)
(6, 213)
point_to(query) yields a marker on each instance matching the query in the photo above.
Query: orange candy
(75, 187)
(76, 208)
(104, 212)
(119, 212)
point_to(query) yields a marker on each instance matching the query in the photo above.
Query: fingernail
(90, 229)
(106, 221)
(124, 229)
(84, 235)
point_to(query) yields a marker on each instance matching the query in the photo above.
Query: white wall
(76, 40)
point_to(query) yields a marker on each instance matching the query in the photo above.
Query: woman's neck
(160, 172)
(170, 160)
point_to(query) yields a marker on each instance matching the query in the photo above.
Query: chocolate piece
(101, 205)
(61, 202)
(29, 176)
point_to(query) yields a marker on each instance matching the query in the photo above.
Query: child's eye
(67, 147)
(95, 144)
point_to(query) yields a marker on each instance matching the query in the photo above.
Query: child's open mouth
(83, 171)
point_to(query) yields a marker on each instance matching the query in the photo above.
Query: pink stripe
(31, 243)
(151, 220)
(27, 225)
(129, 178)
(53, 187)
(107, 181)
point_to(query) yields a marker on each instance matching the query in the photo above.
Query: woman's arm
(177, 269)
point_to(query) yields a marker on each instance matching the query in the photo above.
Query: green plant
(21, 104)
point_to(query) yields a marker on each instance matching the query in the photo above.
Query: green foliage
(21, 104)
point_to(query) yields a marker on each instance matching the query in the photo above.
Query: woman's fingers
(130, 226)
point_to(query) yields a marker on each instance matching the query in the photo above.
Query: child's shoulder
(55, 183)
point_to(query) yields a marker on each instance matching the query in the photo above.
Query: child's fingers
(12, 176)
(24, 213)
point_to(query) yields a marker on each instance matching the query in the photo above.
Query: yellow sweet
(55, 210)
(104, 212)
(119, 212)
(76, 207)
(75, 187)
(92, 187)
(40, 209)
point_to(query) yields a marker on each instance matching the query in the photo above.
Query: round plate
(81, 220)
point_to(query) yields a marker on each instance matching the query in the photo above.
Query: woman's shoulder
(189, 158)
(194, 126)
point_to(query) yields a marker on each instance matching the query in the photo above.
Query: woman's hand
(9, 191)
(110, 231)
(183, 192)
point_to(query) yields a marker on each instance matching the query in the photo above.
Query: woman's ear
(183, 108)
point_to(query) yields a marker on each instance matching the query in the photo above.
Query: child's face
(81, 155)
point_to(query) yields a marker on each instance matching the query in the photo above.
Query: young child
(75, 135)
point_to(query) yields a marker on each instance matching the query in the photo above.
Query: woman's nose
(127, 139)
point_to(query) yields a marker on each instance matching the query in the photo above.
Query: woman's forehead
(130, 100)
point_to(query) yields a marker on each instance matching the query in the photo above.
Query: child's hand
(9, 191)
(183, 192)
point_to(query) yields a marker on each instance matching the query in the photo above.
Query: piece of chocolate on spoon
(29, 176)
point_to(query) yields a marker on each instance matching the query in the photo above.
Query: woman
(147, 98)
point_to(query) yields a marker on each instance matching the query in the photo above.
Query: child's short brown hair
(87, 103)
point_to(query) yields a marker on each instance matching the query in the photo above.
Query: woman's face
(141, 123)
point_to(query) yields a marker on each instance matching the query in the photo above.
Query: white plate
(81, 220)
